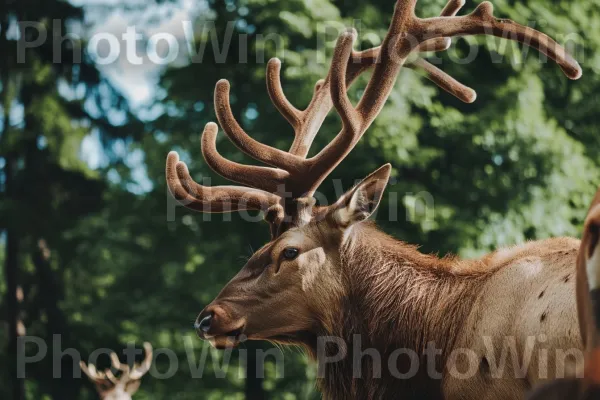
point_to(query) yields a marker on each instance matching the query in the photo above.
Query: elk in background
(327, 272)
(588, 307)
(124, 385)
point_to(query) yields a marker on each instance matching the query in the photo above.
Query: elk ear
(360, 202)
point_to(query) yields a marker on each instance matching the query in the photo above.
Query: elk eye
(290, 253)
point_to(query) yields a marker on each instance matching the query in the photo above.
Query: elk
(123, 386)
(588, 308)
(329, 273)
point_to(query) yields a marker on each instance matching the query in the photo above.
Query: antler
(142, 368)
(106, 381)
(291, 175)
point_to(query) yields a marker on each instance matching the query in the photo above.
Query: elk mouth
(294, 338)
(227, 340)
(233, 339)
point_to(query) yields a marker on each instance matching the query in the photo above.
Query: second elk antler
(122, 386)
(291, 174)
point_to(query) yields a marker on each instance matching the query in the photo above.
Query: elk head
(124, 385)
(287, 289)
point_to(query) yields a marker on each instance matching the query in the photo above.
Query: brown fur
(417, 298)
(412, 299)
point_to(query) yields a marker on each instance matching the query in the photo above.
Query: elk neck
(396, 298)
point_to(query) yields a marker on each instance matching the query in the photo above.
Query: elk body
(329, 273)
(124, 385)
(588, 307)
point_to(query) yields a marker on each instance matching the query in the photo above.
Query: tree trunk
(51, 292)
(254, 389)
(11, 271)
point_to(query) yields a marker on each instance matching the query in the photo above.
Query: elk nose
(203, 325)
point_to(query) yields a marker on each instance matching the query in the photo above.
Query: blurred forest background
(90, 237)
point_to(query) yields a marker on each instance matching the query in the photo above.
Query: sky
(133, 72)
(137, 81)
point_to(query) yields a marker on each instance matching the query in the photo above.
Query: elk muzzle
(217, 325)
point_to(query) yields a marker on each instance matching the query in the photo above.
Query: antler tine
(111, 377)
(437, 44)
(452, 7)
(445, 81)
(433, 73)
(114, 360)
(90, 371)
(259, 151)
(289, 112)
(337, 76)
(265, 178)
(482, 21)
(306, 123)
(141, 369)
(312, 118)
(440, 44)
(216, 199)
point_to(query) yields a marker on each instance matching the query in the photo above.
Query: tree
(47, 91)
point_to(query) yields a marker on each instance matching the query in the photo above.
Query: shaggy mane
(425, 295)
(397, 298)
